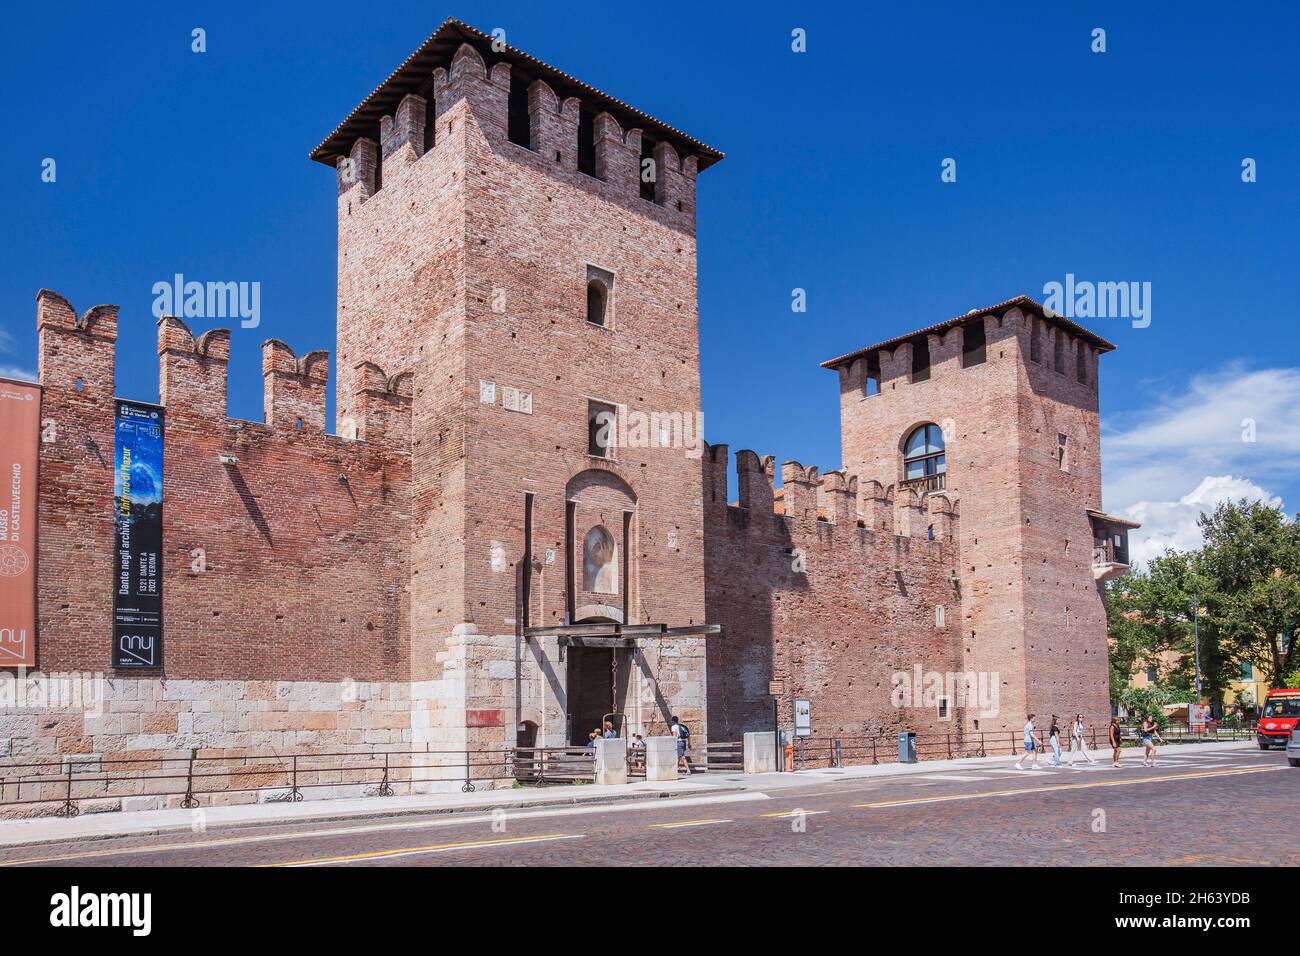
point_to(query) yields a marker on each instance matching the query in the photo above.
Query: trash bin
(907, 747)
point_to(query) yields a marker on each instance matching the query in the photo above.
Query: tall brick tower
(1010, 395)
(524, 245)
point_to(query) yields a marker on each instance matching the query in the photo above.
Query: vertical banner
(137, 535)
(20, 422)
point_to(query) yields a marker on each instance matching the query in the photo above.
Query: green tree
(1150, 613)
(1251, 559)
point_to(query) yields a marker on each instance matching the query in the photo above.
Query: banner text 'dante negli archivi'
(137, 535)
(20, 421)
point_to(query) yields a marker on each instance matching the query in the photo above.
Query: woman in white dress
(1077, 742)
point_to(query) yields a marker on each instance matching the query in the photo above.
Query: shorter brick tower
(997, 411)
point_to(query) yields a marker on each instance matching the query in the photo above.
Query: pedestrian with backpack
(682, 734)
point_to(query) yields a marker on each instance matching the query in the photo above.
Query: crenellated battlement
(808, 499)
(525, 110)
(78, 354)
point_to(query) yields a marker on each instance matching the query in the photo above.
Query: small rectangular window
(600, 295)
(945, 708)
(602, 429)
(920, 359)
(1063, 452)
(518, 120)
(973, 351)
(871, 385)
(1151, 675)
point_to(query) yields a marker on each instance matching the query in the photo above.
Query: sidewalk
(1132, 756)
(101, 826)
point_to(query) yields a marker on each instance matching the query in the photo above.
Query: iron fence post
(295, 795)
(188, 802)
(69, 809)
(468, 787)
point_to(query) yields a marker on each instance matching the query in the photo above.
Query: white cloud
(6, 342)
(1233, 433)
(13, 371)
(1172, 524)
(1184, 436)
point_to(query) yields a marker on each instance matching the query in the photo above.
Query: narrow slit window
(1036, 341)
(1081, 363)
(647, 172)
(430, 124)
(586, 141)
(1058, 351)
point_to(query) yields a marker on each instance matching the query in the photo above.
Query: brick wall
(303, 560)
(807, 592)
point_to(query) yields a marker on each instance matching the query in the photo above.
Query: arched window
(923, 455)
(599, 562)
(597, 294)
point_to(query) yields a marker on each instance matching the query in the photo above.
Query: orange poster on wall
(20, 420)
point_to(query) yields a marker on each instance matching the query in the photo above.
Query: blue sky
(1115, 166)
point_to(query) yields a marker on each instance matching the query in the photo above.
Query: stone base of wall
(143, 743)
(139, 743)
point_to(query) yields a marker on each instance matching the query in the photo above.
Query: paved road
(1233, 808)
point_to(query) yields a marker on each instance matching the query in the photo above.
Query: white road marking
(688, 823)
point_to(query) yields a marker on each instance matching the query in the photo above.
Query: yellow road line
(433, 848)
(1059, 786)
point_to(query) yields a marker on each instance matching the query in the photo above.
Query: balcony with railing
(926, 483)
(1110, 557)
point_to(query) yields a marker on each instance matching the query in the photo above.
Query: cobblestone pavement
(1233, 808)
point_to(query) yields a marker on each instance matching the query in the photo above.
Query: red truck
(1278, 718)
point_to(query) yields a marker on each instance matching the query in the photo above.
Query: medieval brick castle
(470, 561)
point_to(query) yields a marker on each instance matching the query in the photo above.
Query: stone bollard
(611, 760)
(760, 752)
(661, 758)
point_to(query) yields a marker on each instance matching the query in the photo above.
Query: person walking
(1054, 739)
(1150, 734)
(1078, 742)
(1031, 746)
(681, 733)
(1116, 741)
